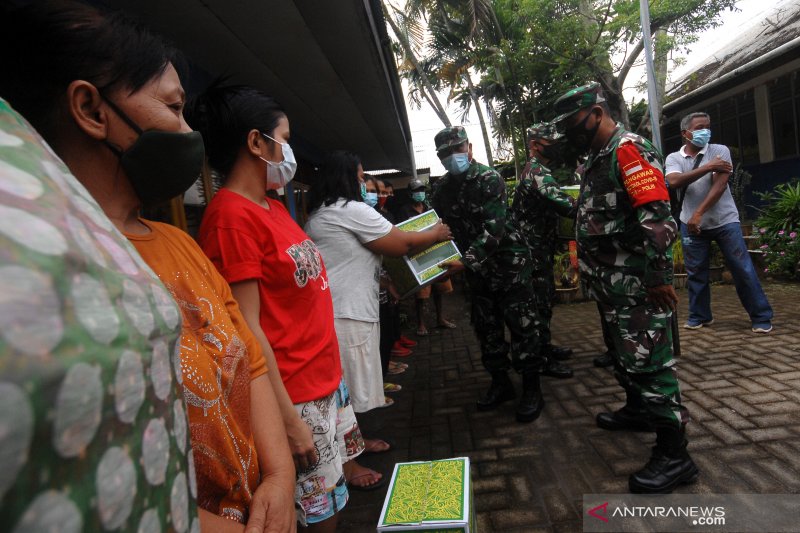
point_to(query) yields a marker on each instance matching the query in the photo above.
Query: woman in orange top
(106, 96)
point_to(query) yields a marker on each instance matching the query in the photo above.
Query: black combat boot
(554, 369)
(531, 404)
(632, 416)
(501, 390)
(668, 467)
(604, 360)
(559, 353)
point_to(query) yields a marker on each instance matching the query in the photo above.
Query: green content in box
(429, 496)
(411, 273)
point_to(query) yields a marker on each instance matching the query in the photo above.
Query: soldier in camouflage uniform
(538, 202)
(498, 267)
(625, 234)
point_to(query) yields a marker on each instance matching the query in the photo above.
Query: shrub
(778, 228)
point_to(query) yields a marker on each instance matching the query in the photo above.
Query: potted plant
(566, 278)
(678, 269)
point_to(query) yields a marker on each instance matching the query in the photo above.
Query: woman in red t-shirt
(279, 280)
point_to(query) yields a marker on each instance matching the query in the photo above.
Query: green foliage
(511, 188)
(778, 228)
(739, 182)
(566, 276)
(677, 257)
(783, 208)
(637, 113)
(781, 253)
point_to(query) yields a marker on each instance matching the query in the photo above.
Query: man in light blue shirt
(709, 214)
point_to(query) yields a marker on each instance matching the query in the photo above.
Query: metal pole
(652, 94)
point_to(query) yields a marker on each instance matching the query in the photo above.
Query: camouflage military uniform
(622, 251)
(498, 265)
(538, 202)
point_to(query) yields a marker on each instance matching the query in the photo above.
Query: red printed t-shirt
(219, 358)
(246, 241)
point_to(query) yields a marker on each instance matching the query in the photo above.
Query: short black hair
(225, 115)
(337, 179)
(50, 44)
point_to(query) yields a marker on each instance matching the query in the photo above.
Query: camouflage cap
(452, 136)
(415, 185)
(576, 99)
(544, 130)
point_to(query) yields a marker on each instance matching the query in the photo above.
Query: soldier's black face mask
(552, 152)
(581, 137)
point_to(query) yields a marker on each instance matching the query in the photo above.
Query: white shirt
(340, 232)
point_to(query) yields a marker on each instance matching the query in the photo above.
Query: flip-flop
(392, 387)
(388, 442)
(448, 324)
(388, 402)
(371, 473)
(398, 364)
(395, 370)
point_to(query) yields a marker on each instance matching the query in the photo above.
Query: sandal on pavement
(392, 387)
(398, 364)
(366, 477)
(405, 341)
(394, 370)
(387, 402)
(372, 446)
(447, 324)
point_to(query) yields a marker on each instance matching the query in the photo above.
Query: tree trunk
(514, 147)
(484, 131)
(661, 73)
(604, 69)
(437, 108)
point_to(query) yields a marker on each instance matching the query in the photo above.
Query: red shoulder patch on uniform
(643, 181)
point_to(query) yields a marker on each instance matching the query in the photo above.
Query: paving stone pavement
(742, 390)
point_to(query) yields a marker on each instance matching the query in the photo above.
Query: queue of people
(216, 384)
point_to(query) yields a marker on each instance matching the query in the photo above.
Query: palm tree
(406, 31)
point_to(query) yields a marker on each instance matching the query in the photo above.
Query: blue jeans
(696, 254)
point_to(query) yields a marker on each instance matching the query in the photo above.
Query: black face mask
(159, 164)
(579, 136)
(552, 152)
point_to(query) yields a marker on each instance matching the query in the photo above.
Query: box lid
(430, 492)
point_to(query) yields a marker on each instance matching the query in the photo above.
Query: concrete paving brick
(783, 420)
(788, 477)
(492, 501)
(732, 418)
(510, 518)
(775, 433)
(559, 507)
(724, 432)
(489, 484)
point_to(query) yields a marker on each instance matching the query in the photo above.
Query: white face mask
(279, 174)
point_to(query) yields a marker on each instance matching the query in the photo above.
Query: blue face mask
(418, 196)
(456, 163)
(371, 199)
(700, 138)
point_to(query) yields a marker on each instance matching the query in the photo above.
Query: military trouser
(498, 303)
(643, 362)
(545, 290)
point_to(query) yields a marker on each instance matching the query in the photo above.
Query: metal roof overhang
(328, 62)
